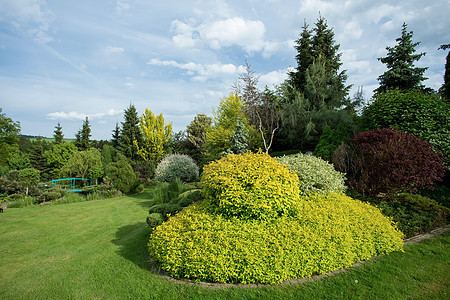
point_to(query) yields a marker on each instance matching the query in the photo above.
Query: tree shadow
(132, 244)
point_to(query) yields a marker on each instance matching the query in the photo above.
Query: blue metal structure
(72, 183)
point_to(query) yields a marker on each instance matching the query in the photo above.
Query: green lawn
(97, 250)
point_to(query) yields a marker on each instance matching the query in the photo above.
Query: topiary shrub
(177, 166)
(328, 232)
(394, 161)
(249, 186)
(315, 175)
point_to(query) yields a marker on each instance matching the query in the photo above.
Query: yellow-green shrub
(249, 186)
(328, 232)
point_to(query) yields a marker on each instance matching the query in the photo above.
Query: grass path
(97, 250)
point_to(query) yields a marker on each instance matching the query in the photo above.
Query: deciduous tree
(155, 135)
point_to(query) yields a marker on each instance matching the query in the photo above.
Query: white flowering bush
(177, 166)
(315, 174)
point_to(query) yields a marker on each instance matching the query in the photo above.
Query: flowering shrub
(177, 166)
(315, 175)
(395, 161)
(249, 186)
(328, 232)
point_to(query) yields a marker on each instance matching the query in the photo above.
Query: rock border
(215, 285)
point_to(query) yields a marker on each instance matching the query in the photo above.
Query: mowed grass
(97, 250)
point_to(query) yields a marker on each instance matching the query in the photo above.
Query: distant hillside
(34, 137)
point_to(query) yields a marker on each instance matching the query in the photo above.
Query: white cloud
(114, 50)
(200, 72)
(273, 78)
(28, 16)
(73, 115)
(247, 34)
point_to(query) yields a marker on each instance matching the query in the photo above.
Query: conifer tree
(238, 140)
(130, 132)
(401, 72)
(115, 141)
(83, 136)
(445, 89)
(58, 134)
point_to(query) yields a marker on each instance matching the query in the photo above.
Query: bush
(329, 141)
(101, 191)
(249, 186)
(414, 214)
(327, 233)
(394, 161)
(315, 175)
(165, 192)
(51, 194)
(423, 115)
(155, 219)
(122, 176)
(177, 166)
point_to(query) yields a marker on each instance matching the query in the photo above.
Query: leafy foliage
(177, 166)
(414, 214)
(122, 176)
(9, 130)
(249, 186)
(155, 135)
(395, 161)
(84, 164)
(314, 174)
(423, 115)
(329, 141)
(328, 233)
(58, 156)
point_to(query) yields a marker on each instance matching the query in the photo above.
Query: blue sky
(61, 61)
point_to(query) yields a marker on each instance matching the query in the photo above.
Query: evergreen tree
(58, 134)
(304, 57)
(38, 160)
(83, 136)
(445, 89)
(130, 132)
(115, 141)
(401, 72)
(238, 140)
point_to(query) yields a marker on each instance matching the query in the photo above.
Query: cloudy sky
(61, 61)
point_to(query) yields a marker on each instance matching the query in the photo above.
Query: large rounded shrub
(315, 175)
(177, 166)
(393, 161)
(249, 186)
(328, 232)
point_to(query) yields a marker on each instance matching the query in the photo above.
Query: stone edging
(411, 240)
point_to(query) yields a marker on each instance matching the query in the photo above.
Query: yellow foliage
(155, 135)
(250, 186)
(328, 232)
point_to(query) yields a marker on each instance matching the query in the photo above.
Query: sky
(62, 60)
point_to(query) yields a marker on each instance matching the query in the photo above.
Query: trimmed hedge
(327, 233)
(315, 174)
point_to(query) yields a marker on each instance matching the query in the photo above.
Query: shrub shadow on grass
(132, 243)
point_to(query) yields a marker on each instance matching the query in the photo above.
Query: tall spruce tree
(445, 88)
(401, 72)
(83, 136)
(315, 92)
(115, 141)
(130, 132)
(58, 134)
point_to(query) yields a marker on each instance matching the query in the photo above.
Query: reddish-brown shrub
(395, 161)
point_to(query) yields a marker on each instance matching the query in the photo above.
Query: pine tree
(445, 89)
(130, 132)
(304, 57)
(38, 160)
(58, 134)
(402, 73)
(115, 141)
(83, 136)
